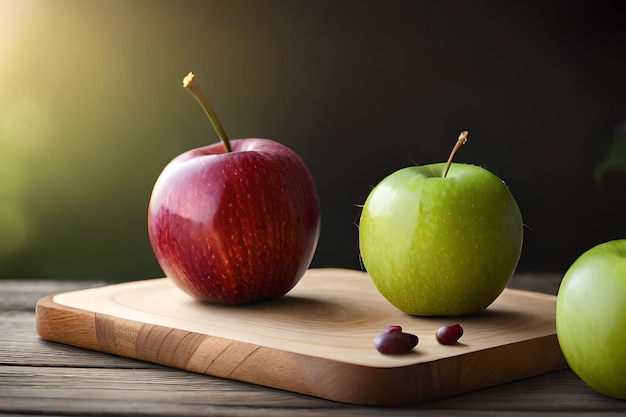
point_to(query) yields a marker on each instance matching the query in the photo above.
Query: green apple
(591, 317)
(441, 239)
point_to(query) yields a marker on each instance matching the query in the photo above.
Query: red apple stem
(189, 82)
(460, 142)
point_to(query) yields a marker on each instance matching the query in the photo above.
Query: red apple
(234, 222)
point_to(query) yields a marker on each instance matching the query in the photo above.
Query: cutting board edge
(48, 319)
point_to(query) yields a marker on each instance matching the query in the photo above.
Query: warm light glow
(13, 14)
(26, 126)
(16, 119)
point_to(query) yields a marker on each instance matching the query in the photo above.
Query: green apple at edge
(591, 317)
(439, 242)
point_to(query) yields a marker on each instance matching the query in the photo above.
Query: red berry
(449, 335)
(394, 342)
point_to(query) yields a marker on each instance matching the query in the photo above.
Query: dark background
(92, 108)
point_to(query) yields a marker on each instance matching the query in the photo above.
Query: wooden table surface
(38, 377)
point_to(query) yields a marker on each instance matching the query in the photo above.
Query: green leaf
(615, 159)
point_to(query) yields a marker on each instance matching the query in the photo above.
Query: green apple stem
(460, 142)
(189, 82)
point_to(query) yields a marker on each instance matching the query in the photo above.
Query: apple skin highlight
(235, 227)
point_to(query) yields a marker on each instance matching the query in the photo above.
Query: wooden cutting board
(317, 340)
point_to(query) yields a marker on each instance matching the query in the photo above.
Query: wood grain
(316, 341)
